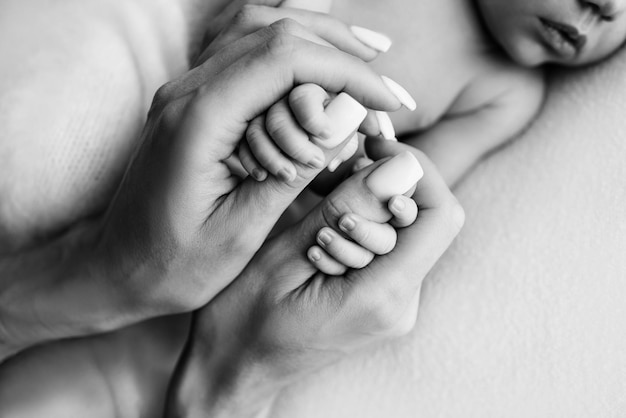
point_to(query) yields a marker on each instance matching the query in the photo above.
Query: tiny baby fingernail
(316, 163)
(385, 125)
(314, 254)
(374, 40)
(398, 204)
(395, 176)
(347, 224)
(324, 238)
(285, 175)
(400, 92)
(258, 174)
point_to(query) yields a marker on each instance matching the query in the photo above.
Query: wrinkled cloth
(525, 316)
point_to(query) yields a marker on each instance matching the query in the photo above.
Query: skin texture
(516, 26)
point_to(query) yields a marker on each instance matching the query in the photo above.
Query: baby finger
(344, 251)
(266, 152)
(404, 210)
(378, 238)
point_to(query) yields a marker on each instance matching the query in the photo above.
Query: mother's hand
(181, 227)
(281, 319)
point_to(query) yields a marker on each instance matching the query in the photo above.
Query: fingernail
(361, 163)
(314, 254)
(347, 224)
(326, 133)
(374, 40)
(316, 163)
(324, 238)
(334, 164)
(401, 93)
(258, 174)
(385, 125)
(398, 204)
(459, 216)
(395, 176)
(346, 115)
(285, 175)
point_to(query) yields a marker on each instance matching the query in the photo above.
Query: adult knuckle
(285, 26)
(245, 15)
(163, 96)
(382, 312)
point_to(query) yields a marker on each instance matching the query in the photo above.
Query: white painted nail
(346, 153)
(385, 125)
(346, 115)
(401, 93)
(361, 163)
(395, 176)
(374, 40)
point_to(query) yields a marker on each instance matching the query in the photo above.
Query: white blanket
(526, 314)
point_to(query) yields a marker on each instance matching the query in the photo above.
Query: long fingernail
(374, 40)
(401, 93)
(345, 154)
(385, 125)
(395, 176)
(346, 115)
(361, 163)
(334, 164)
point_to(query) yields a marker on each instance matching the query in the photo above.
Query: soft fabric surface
(526, 314)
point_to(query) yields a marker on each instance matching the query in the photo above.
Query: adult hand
(181, 227)
(281, 319)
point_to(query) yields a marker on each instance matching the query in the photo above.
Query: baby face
(567, 32)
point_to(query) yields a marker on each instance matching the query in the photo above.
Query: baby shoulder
(507, 87)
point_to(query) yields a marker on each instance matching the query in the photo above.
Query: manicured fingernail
(346, 115)
(395, 176)
(398, 204)
(385, 125)
(361, 163)
(374, 40)
(324, 238)
(401, 93)
(314, 254)
(459, 216)
(258, 174)
(286, 175)
(347, 224)
(334, 164)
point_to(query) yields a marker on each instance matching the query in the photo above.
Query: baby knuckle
(389, 243)
(333, 208)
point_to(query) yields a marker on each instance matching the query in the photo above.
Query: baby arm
(459, 141)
